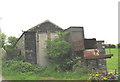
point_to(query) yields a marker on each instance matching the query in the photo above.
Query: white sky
(98, 17)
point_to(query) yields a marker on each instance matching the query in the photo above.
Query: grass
(112, 63)
(45, 76)
(65, 76)
(49, 74)
(16, 76)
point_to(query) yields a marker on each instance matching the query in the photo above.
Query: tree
(2, 44)
(2, 39)
(58, 49)
(12, 40)
(59, 52)
(9, 47)
(118, 45)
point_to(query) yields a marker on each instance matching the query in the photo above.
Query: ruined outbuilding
(31, 45)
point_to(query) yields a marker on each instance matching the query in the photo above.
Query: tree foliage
(2, 39)
(58, 50)
(118, 45)
(58, 47)
(12, 40)
(8, 45)
(60, 53)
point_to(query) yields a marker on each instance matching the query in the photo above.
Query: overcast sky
(98, 17)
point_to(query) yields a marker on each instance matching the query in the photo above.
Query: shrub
(58, 50)
(80, 67)
(19, 70)
(22, 67)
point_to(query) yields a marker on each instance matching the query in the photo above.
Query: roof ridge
(36, 26)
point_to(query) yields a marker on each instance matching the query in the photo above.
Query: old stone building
(31, 45)
(32, 42)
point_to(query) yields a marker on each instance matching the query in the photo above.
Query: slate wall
(30, 47)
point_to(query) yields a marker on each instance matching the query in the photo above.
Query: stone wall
(42, 58)
(76, 37)
(30, 47)
(21, 45)
(101, 62)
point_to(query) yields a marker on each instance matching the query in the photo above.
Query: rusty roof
(99, 56)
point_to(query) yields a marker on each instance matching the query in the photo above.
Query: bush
(19, 70)
(80, 67)
(58, 50)
(22, 67)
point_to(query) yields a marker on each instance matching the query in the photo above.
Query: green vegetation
(112, 63)
(50, 72)
(59, 52)
(7, 44)
(19, 70)
(64, 65)
(118, 45)
(62, 62)
(58, 49)
(2, 39)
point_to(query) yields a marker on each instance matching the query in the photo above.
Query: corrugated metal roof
(99, 56)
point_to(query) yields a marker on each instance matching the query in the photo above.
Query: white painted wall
(42, 59)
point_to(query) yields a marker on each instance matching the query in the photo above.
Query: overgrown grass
(10, 75)
(112, 63)
(48, 73)
(44, 76)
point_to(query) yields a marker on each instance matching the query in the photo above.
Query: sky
(98, 17)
